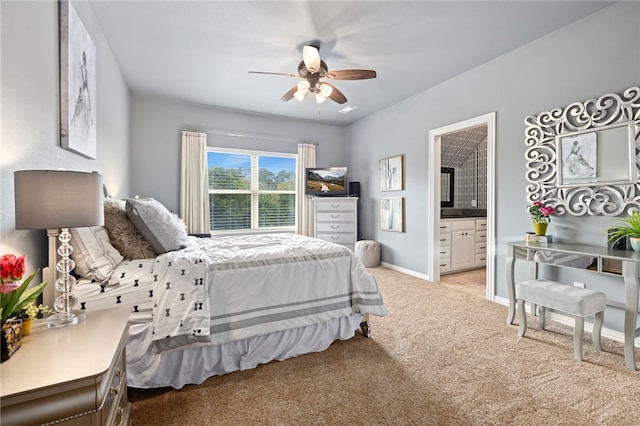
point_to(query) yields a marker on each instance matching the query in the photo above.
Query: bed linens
(271, 297)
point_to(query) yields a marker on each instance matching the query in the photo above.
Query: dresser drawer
(481, 224)
(335, 217)
(481, 259)
(481, 248)
(335, 206)
(115, 401)
(337, 238)
(481, 236)
(445, 252)
(335, 227)
(445, 227)
(445, 265)
(463, 225)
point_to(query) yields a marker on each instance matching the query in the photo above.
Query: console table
(629, 273)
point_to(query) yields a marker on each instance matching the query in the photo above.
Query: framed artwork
(391, 214)
(390, 174)
(77, 84)
(579, 156)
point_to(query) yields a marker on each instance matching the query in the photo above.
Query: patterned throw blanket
(181, 302)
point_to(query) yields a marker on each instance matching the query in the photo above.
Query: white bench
(577, 302)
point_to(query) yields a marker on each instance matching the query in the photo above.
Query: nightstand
(73, 375)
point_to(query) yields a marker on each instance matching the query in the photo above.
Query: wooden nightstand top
(53, 356)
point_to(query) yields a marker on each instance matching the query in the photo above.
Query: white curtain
(306, 158)
(194, 188)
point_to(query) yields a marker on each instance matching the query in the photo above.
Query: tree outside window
(251, 190)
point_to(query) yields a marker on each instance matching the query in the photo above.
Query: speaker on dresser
(354, 189)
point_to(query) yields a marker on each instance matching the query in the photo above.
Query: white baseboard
(405, 271)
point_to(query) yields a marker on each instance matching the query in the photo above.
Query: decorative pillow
(157, 225)
(123, 235)
(93, 254)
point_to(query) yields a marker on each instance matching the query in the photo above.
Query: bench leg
(578, 334)
(597, 330)
(523, 318)
(542, 317)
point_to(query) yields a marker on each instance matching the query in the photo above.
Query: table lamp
(57, 200)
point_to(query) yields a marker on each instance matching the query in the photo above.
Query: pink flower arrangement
(15, 296)
(540, 213)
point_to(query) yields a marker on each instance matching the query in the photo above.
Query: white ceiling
(201, 51)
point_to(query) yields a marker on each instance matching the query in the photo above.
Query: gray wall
(30, 113)
(156, 126)
(591, 57)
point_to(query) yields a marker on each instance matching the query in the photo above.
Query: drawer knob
(114, 390)
(335, 216)
(335, 226)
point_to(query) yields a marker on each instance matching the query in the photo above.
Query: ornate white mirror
(584, 159)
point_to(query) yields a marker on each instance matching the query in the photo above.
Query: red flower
(546, 211)
(12, 268)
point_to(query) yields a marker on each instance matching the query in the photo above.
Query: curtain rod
(248, 136)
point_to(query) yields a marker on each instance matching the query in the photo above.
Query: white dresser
(336, 220)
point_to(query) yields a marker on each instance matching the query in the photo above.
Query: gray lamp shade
(48, 199)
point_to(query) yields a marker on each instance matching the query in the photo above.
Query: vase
(635, 243)
(540, 228)
(26, 326)
(10, 338)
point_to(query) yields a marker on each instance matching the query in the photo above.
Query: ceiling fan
(313, 70)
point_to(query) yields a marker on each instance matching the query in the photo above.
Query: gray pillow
(157, 225)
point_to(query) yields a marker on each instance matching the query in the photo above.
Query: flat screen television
(327, 181)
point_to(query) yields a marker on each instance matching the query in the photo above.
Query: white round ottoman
(368, 252)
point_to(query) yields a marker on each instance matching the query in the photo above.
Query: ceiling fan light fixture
(320, 98)
(326, 90)
(311, 58)
(303, 87)
(299, 95)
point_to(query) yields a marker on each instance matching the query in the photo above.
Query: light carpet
(441, 357)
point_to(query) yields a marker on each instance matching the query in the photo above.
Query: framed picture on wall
(579, 157)
(77, 84)
(390, 173)
(391, 214)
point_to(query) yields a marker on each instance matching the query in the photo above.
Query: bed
(211, 306)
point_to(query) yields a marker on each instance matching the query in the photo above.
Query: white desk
(630, 261)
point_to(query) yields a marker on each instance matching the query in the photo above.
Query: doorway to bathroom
(462, 148)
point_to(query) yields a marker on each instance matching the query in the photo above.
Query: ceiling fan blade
(336, 95)
(289, 95)
(274, 73)
(311, 58)
(351, 74)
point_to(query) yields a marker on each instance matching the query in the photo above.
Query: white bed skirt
(146, 369)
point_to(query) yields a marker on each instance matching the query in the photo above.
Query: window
(251, 190)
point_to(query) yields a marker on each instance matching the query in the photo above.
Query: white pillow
(158, 226)
(93, 254)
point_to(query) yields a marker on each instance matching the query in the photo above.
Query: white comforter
(256, 285)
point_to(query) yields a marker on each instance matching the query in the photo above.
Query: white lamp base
(63, 319)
